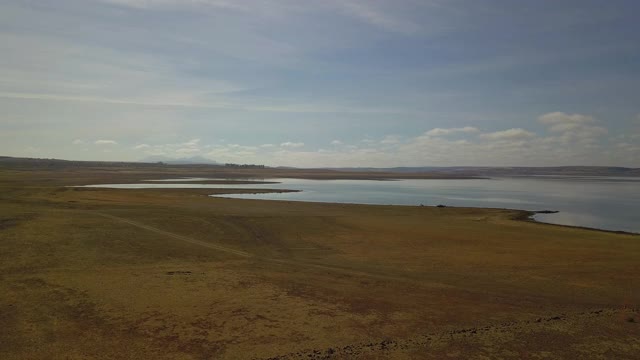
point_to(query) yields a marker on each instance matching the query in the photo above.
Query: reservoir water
(610, 203)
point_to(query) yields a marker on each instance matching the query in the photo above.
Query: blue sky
(323, 83)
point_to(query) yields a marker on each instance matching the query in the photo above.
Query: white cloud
(449, 131)
(559, 117)
(141, 147)
(93, 75)
(367, 12)
(267, 146)
(242, 147)
(106, 142)
(289, 144)
(141, 4)
(561, 122)
(629, 146)
(391, 139)
(336, 142)
(187, 100)
(572, 127)
(510, 134)
(191, 143)
(78, 142)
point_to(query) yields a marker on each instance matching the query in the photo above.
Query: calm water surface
(600, 202)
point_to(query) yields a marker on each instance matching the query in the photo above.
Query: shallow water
(610, 203)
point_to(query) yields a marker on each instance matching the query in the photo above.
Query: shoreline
(528, 215)
(221, 192)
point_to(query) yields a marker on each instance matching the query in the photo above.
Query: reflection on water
(573, 219)
(607, 203)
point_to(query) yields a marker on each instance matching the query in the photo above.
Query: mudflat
(175, 274)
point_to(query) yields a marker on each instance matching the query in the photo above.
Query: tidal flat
(177, 274)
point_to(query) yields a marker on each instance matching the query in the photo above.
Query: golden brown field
(174, 274)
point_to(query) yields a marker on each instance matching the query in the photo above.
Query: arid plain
(175, 274)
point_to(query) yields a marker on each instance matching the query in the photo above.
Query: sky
(324, 83)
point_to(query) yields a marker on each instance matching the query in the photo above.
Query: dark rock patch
(178, 272)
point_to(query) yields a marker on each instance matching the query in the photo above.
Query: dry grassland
(174, 274)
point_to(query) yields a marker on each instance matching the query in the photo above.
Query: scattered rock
(7, 223)
(178, 273)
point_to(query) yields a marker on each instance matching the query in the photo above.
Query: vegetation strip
(386, 346)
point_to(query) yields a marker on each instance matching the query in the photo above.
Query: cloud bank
(566, 139)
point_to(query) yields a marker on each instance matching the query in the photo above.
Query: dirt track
(176, 236)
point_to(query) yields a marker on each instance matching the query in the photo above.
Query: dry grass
(113, 274)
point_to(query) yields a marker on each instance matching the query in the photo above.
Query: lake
(610, 203)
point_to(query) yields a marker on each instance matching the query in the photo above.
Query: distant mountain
(179, 161)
